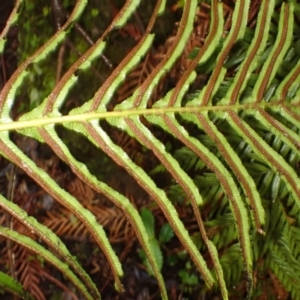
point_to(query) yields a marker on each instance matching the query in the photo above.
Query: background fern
(185, 140)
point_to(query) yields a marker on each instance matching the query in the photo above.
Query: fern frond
(47, 255)
(9, 284)
(234, 154)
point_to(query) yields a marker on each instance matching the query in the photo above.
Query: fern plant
(237, 162)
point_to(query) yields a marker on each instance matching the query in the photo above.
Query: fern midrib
(238, 169)
(291, 137)
(282, 43)
(9, 150)
(12, 18)
(228, 184)
(237, 29)
(89, 55)
(292, 79)
(51, 137)
(42, 51)
(100, 96)
(276, 163)
(36, 248)
(51, 239)
(174, 129)
(100, 138)
(88, 116)
(257, 44)
(217, 23)
(145, 89)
